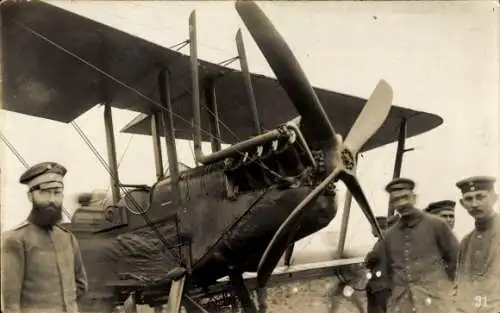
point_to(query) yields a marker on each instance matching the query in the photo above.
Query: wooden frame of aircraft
(274, 157)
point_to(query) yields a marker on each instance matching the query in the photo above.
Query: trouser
(377, 300)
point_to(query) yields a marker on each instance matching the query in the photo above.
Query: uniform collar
(485, 223)
(411, 220)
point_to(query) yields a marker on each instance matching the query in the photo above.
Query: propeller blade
(357, 193)
(286, 68)
(267, 265)
(371, 117)
(278, 243)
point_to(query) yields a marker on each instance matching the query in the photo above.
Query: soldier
(444, 209)
(478, 289)
(378, 287)
(422, 254)
(42, 269)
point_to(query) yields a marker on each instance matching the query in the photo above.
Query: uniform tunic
(422, 255)
(43, 270)
(478, 273)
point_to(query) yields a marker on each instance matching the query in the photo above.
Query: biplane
(242, 207)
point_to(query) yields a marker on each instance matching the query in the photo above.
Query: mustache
(48, 208)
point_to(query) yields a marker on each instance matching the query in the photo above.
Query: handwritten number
(480, 301)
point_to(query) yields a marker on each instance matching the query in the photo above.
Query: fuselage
(220, 227)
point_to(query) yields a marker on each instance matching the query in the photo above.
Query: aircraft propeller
(299, 90)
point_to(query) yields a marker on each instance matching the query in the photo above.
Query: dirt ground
(315, 296)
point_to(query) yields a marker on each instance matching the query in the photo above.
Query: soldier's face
(448, 216)
(402, 201)
(47, 206)
(479, 203)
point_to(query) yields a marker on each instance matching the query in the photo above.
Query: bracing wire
(137, 92)
(14, 150)
(25, 164)
(124, 191)
(140, 94)
(122, 157)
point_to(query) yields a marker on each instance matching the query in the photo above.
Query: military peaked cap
(439, 206)
(476, 183)
(400, 184)
(44, 175)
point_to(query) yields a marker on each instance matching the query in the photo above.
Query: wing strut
(195, 80)
(345, 219)
(112, 160)
(211, 101)
(108, 121)
(168, 123)
(398, 163)
(156, 124)
(248, 81)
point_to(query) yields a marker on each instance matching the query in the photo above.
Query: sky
(439, 57)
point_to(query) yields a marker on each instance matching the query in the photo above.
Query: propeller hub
(348, 159)
(331, 190)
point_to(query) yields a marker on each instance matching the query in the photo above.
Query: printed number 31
(480, 301)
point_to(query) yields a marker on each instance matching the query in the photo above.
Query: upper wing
(58, 65)
(342, 110)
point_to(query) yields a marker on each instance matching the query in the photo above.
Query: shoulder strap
(22, 225)
(63, 228)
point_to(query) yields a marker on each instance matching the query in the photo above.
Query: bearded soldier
(478, 287)
(422, 255)
(444, 209)
(43, 269)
